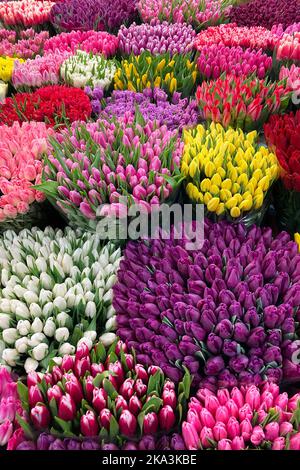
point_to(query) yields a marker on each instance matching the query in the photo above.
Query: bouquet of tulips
(25, 13)
(282, 136)
(227, 311)
(176, 73)
(104, 395)
(228, 172)
(38, 72)
(157, 39)
(244, 102)
(56, 291)
(54, 105)
(288, 48)
(22, 147)
(152, 104)
(232, 35)
(86, 69)
(199, 13)
(86, 15)
(216, 59)
(97, 42)
(92, 166)
(27, 44)
(242, 419)
(267, 14)
(7, 65)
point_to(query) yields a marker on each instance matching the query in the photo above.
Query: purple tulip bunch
(227, 312)
(153, 104)
(48, 442)
(266, 14)
(158, 38)
(279, 30)
(95, 164)
(216, 59)
(86, 15)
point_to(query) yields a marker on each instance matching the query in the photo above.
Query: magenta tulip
(127, 423)
(190, 436)
(54, 392)
(166, 418)
(88, 424)
(66, 408)
(99, 399)
(40, 416)
(105, 417)
(150, 423)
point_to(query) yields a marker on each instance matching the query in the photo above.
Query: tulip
(271, 431)
(166, 418)
(40, 416)
(88, 424)
(66, 408)
(134, 405)
(295, 442)
(257, 436)
(278, 443)
(127, 423)
(99, 399)
(73, 388)
(150, 423)
(34, 395)
(238, 443)
(224, 444)
(67, 364)
(104, 418)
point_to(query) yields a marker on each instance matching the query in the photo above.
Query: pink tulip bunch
(216, 59)
(25, 13)
(288, 47)
(199, 13)
(279, 30)
(292, 75)
(135, 160)
(243, 418)
(232, 35)
(103, 394)
(97, 42)
(21, 167)
(9, 406)
(38, 72)
(26, 45)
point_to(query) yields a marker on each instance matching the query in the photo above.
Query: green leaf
(140, 421)
(113, 428)
(110, 389)
(153, 404)
(103, 434)
(26, 427)
(97, 382)
(53, 407)
(187, 381)
(64, 425)
(23, 394)
(155, 383)
(49, 188)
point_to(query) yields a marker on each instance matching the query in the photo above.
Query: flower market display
(149, 226)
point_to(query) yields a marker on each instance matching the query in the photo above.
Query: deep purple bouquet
(267, 14)
(227, 312)
(152, 104)
(98, 15)
(157, 38)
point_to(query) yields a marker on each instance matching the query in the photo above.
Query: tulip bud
(73, 387)
(150, 423)
(127, 423)
(224, 444)
(135, 405)
(126, 389)
(54, 392)
(99, 399)
(257, 436)
(33, 379)
(34, 395)
(238, 443)
(82, 366)
(6, 430)
(166, 418)
(88, 424)
(66, 408)
(104, 418)
(40, 416)
(169, 398)
(295, 442)
(67, 363)
(40, 351)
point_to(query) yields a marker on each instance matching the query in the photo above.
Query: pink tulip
(278, 443)
(40, 416)
(206, 436)
(166, 418)
(224, 444)
(7, 409)
(238, 443)
(16, 439)
(66, 408)
(212, 403)
(285, 428)
(97, 369)
(73, 387)
(190, 436)
(127, 423)
(150, 423)
(126, 389)
(193, 418)
(67, 363)
(54, 392)
(232, 408)
(56, 374)
(6, 430)
(272, 431)
(141, 373)
(34, 395)
(207, 418)
(105, 418)
(238, 397)
(139, 387)
(89, 387)
(295, 442)
(82, 366)
(99, 399)
(135, 405)
(245, 412)
(233, 427)
(252, 397)
(219, 431)
(88, 424)
(246, 429)
(222, 414)
(257, 436)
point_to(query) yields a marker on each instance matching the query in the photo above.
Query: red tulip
(67, 363)
(127, 423)
(141, 373)
(99, 399)
(33, 379)
(73, 387)
(82, 352)
(135, 405)
(40, 416)
(140, 388)
(82, 366)
(56, 374)
(88, 424)
(54, 392)
(169, 398)
(166, 418)
(120, 402)
(34, 396)
(66, 408)
(150, 423)
(97, 369)
(104, 418)
(126, 389)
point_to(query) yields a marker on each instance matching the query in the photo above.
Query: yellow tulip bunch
(297, 240)
(7, 67)
(172, 73)
(226, 170)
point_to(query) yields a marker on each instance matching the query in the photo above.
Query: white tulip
(48, 309)
(79, 299)
(110, 312)
(36, 339)
(4, 321)
(77, 255)
(90, 309)
(67, 263)
(19, 291)
(103, 259)
(30, 365)
(8, 293)
(62, 334)
(107, 339)
(10, 335)
(70, 299)
(75, 272)
(49, 328)
(30, 297)
(92, 335)
(86, 341)
(66, 348)
(86, 284)
(96, 267)
(111, 324)
(21, 345)
(22, 311)
(115, 256)
(111, 281)
(4, 277)
(108, 296)
(41, 264)
(30, 261)
(10, 356)
(58, 268)
(46, 281)
(23, 327)
(60, 304)
(78, 290)
(63, 318)
(35, 310)
(86, 247)
(37, 326)
(5, 305)
(108, 270)
(57, 360)
(45, 296)
(2, 347)
(15, 253)
(69, 283)
(89, 296)
(86, 273)
(21, 269)
(59, 290)
(33, 286)
(40, 351)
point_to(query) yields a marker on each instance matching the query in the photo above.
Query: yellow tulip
(173, 85)
(209, 169)
(216, 179)
(264, 183)
(235, 188)
(214, 189)
(226, 184)
(184, 168)
(167, 78)
(213, 204)
(243, 179)
(171, 63)
(297, 240)
(194, 76)
(232, 202)
(157, 82)
(258, 201)
(221, 209)
(161, 65)
(235, 212)
(206, 198)
(225, 195)
(144, 79)
(205, 185)
(246, 204)
(193, 168)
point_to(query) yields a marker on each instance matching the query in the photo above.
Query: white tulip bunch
(86, 69)
(55, 290)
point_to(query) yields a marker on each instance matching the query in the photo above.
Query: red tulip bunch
(232, 35)
(289, 47)
(282, 135)
(103, 394)
(52, 104)
(241, 102)
(243, 418)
